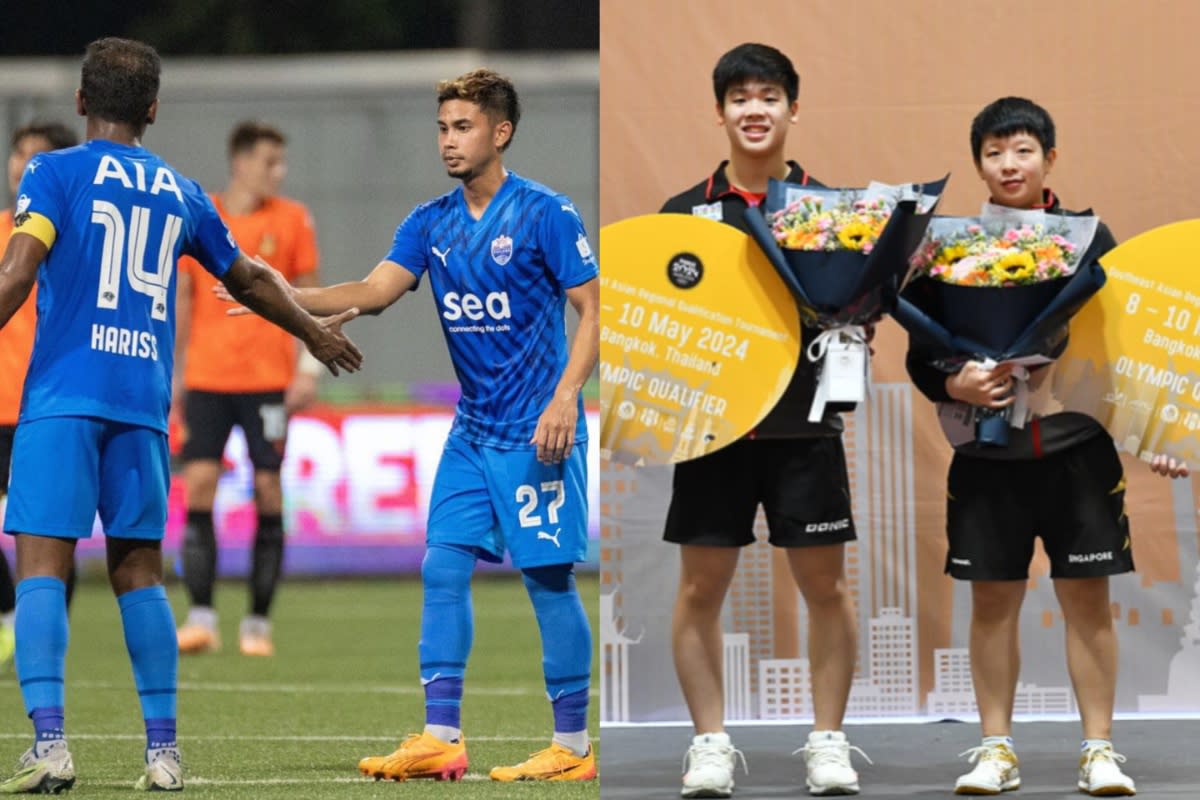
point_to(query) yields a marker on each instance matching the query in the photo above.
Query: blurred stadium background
(352, 86)
(361, 154)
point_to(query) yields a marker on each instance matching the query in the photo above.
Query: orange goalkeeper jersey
(16, 342)
(248, 354)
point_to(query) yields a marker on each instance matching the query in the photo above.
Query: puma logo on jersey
(548, 537)
(440, 254)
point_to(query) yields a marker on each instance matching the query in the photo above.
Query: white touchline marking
(248, 737)
(321, 688)
(193, 781)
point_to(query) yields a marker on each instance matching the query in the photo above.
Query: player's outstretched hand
(332, 347)
(555, 432)
(1169, 467)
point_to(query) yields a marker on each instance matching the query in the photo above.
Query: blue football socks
(154, 654)
(566, 650)
(41, 653)
(447, 630)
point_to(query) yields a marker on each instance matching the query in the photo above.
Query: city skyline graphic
(913, 622)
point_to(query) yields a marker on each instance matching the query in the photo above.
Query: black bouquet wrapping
(1017, 281)
(844, 253)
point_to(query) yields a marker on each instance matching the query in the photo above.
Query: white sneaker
(708, 766)
(827, 759)
(164, 771)
(1101, 776)
(43, 769)
(254, 637)
(995, 771)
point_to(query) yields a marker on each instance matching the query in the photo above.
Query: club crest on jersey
(502, 249)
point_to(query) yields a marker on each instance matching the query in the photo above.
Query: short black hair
(1008, 116)
(750, 61)
(56, 133)
(119, 80)
(493, 93)
(250, 132)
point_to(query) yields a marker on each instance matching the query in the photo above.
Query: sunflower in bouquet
(987, 256)
(808, 223)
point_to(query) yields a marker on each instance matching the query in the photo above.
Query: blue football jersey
(105, 340)
(500, 286)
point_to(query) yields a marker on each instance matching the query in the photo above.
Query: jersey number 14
(130, 251)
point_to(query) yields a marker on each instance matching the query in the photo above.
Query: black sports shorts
(211, 416)
(1073, 500)
(801, 484)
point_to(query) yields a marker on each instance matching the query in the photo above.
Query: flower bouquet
(844, 253)
(999, 288)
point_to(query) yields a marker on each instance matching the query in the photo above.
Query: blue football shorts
(65, 469)
(497, 500)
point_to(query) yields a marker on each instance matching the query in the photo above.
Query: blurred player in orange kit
(241, 372)
(16, 343)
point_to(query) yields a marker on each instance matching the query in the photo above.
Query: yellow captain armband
(37, 226)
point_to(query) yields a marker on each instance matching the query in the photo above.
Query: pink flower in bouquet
(807, 224)
(1014, 257)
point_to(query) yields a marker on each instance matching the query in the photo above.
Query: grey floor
(911, 760)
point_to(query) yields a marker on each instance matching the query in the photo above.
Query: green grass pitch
(343, 684)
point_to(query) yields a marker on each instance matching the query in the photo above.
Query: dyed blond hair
(493, 93)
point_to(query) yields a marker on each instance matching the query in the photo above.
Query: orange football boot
(555, 763)
(419, 756)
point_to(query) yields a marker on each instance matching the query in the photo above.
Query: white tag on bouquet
(841, 358)
(845, 371)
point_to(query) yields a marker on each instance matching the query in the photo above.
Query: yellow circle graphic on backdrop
(1133, 361)
(699, 337)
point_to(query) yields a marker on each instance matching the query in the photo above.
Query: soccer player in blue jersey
(100, 227)
(502, 254)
